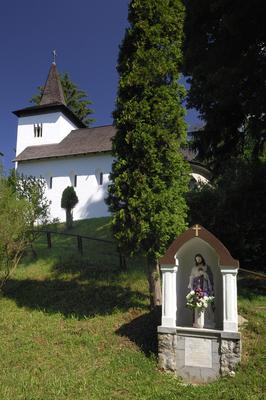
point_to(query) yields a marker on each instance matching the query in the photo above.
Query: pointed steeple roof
(53, 91)
(52, 100)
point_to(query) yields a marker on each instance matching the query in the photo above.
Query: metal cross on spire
(54, 56)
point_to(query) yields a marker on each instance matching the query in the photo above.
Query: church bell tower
(50, 121)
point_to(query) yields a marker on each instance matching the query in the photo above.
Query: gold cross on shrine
(196, 228)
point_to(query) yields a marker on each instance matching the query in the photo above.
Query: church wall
(90, 191)
(199, 178)
(55, 127)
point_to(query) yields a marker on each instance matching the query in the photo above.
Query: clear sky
(86, 35)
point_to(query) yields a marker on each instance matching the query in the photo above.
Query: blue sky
(86, 35)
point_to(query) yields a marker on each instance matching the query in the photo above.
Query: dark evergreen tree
(75, 98)
(149, 175)
(235, 211)
(225, 57)
(68, 201)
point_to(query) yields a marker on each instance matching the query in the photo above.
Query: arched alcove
(202, 350)
(176, 266)
(185, 261)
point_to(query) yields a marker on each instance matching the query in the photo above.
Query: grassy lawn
(77, 327)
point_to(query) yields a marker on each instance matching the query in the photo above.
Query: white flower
(190, 295)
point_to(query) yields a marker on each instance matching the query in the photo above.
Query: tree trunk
(154, 279)
(33, 251)
(69, 218)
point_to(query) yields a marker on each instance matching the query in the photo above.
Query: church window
(50, 182)
(37, 130)
(101, 178)
(75, 180)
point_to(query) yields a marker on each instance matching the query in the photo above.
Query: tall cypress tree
(149, 175)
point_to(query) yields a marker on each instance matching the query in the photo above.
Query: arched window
(99, 176)
(37, 130)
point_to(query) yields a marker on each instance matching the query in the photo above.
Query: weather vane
(54, 55)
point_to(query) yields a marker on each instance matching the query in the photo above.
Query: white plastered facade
(55, 127)
(90, 190)
(91, 172)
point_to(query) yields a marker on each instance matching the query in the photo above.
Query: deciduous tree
(14, 227)
(32, 190)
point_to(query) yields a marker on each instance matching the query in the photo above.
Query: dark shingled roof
(78, 142)
(52, 100)
(50, 108)
(91, 140)
(53, 91)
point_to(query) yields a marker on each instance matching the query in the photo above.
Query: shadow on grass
(142, 331)
(73, 298)
(250, 286)
(86, 267)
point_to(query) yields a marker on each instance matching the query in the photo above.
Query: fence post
(122, 258)
(49, 241)
(124, 263)
(80, 248)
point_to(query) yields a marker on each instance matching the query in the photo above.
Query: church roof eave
(78, 142)
(49, 108)
(17, 159)
(200, 169)
(90, 141)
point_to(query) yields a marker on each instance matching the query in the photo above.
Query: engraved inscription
(198, 352)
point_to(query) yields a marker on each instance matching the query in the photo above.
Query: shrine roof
(198, 231)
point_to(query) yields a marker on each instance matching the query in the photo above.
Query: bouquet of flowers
(198, 299)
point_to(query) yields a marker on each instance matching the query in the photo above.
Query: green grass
(77, 327)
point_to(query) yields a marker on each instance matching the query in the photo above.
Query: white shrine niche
(199, 353)
(176, 266)
(185, 260)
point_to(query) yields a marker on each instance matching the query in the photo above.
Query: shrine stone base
(198, 355)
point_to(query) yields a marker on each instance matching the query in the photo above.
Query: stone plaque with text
(198, 352)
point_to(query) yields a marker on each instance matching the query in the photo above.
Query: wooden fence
(79, 241)
(122, 258)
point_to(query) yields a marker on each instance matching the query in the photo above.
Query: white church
(54, 144)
